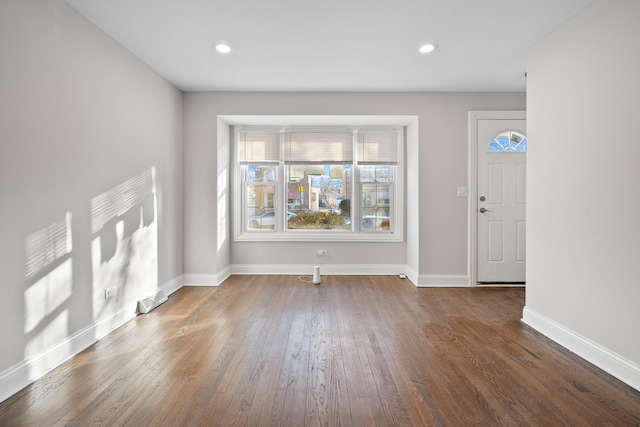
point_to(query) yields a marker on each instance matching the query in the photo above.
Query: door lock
(483, 210)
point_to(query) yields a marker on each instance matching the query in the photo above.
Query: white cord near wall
(316, 279)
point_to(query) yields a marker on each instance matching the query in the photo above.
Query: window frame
(355, 233)
(508, 149)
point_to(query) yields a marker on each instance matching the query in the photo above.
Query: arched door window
(509, 141)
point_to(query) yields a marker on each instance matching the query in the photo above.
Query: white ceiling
(333, 45)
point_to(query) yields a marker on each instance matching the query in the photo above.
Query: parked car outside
(266, 221)
(371, 222)
(346, 218)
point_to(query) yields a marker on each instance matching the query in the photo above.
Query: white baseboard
(223, 275)
(443, 281)
(325, 269)
(412, 275)
(200, 280)
(621, 368)
(24, 373)
(173, 285)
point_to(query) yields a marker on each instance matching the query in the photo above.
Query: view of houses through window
(328, 181)
(319, 196)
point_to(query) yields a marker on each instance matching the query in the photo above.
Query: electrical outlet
(322, 252)
(109, 292)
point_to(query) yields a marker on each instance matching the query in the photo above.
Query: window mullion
(281, 203)
(355, 189)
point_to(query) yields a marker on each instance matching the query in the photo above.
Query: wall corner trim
(200, 280)
(621, 368)
(412, 275)
(173, 285)
(223, 275)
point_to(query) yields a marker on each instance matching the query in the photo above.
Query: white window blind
(377, 147)
(259, 147)
(319, 147)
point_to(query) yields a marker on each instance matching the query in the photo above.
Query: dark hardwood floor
(354, 350)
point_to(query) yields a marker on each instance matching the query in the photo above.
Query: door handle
(483, 210)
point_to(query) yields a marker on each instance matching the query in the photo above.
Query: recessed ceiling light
(428, 48)
(222, 48)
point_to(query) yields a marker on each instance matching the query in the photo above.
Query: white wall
(441, 167)
(583, 269)
(79, 116)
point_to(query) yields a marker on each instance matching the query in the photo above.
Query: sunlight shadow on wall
(124, 246)
(47, 245)
(49, 282)
(222, 208)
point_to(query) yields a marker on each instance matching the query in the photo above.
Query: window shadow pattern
(124, 244)
(48, 288)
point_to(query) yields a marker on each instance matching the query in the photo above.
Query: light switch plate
(462, 192)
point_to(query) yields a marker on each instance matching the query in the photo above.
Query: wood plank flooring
(354, 350)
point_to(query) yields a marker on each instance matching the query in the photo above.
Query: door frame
(472, 182)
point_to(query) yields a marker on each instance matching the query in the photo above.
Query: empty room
(367, 213)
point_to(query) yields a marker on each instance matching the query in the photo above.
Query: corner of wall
(600, 356)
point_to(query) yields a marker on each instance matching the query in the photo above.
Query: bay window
(318, 184)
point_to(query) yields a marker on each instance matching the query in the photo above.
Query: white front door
(501, 221)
